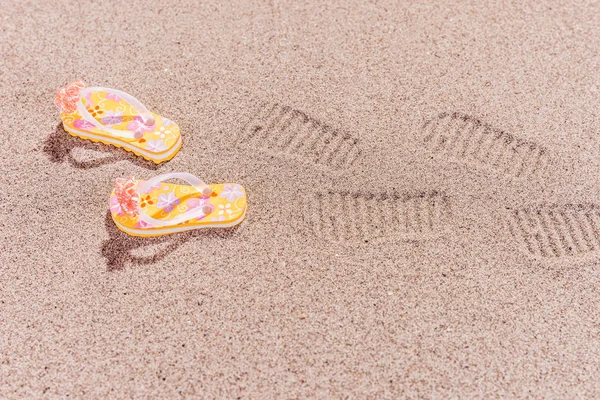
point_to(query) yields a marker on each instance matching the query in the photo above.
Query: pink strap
(140, 108)
(197, 183)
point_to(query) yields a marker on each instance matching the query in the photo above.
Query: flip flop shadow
(118, 249)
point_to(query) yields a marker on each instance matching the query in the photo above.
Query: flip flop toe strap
(147, 117)
(195, 182)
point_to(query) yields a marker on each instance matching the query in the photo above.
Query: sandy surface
(422, 205)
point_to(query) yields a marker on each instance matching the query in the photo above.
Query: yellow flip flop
(114, 117)
(155, 208)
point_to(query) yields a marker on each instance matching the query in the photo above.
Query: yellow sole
(154, 160)
(167, 232)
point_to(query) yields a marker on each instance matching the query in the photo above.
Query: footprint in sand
(283, 131)
(553, 231)
(370, 217)
(466, 139)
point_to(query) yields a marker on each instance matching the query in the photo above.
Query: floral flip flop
(114, 117)
(154, 208)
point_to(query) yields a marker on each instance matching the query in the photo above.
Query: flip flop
(114, 117)
(154, 208)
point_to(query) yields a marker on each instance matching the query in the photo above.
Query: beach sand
(423, 215)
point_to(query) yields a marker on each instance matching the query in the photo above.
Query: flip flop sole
(154, 157)
(167, 231)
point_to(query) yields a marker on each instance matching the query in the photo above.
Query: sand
(423, 202)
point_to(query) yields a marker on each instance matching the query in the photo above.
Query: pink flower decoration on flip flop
(127, 195)
(67, 97)
(113, 97)
(167, 201)
(84, 125)
(139, 127)
(112, 118)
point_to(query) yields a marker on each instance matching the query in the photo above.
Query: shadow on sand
(120, 247)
